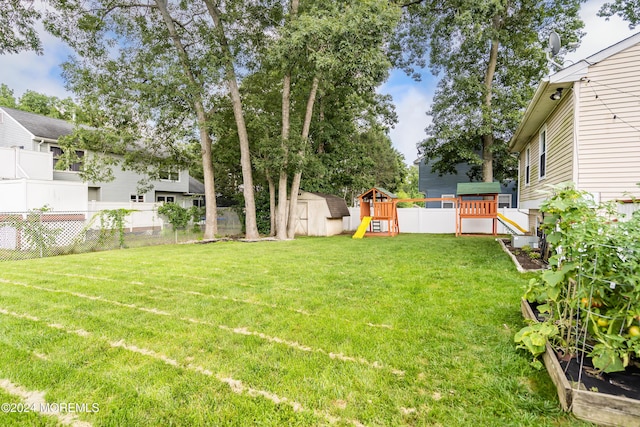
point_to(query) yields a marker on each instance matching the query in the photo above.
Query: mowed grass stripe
(453, 304)
(236, 386)
(235, 330)
(121, 375)
(249, 354)
(312, 334)
(222, 297)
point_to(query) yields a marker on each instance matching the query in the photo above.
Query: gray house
(432, 185)
(29, 151)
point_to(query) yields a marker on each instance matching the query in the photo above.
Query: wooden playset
(379, 211)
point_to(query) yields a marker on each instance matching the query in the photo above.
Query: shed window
(543, 153)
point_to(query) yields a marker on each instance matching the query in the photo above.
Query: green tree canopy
(6, 97)
(17, 27)
(629, 10)
(489, 56)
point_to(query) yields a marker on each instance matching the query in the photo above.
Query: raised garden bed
(616, 401)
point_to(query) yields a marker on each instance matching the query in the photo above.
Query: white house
(583, 126)
(28, 180)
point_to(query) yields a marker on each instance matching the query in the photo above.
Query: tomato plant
(593, 284)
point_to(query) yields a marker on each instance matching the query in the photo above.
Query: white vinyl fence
(441, 221)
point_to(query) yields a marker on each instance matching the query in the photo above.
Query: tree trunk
(286, 127)
(282, 182)
(211, 215)
(297, 177)
(487, 137)
(251, 226)
(272, 206)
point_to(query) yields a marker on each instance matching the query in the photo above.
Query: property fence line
(441, 220)
(42, 233)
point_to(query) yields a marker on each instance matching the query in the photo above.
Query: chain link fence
(42, 233)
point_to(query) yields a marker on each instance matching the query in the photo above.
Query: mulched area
(624, 384)
(525, 261)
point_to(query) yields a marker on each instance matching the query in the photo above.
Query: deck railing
(478, 208)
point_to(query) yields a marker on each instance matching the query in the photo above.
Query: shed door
(302, 219)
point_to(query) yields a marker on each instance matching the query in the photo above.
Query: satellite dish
(554, 43)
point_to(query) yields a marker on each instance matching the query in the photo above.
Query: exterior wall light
(556, 95)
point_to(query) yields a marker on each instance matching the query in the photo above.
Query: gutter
(542, 87)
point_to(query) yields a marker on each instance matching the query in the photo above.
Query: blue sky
(412, 99)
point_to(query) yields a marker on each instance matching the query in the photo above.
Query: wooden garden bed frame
(600, 408)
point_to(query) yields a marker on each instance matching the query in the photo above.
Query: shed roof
(337, 205)
(41, 126)
(476, 188)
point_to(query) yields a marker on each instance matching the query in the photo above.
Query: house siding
(559, 165)
(125, 183)
(12, 134)
(609, 140)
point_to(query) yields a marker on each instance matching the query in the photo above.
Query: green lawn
(411, 330)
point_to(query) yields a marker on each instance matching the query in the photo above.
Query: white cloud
(600, 32)
(40, 73)
(411, 107)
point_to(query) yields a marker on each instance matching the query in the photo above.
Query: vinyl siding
(125, 184)
(559, 168)
(609, 140)
(12, 134)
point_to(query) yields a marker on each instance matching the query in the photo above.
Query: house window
(447, 203)
(166, 199)
(199, 203)
(504, 200)
(543, 153)
(58, 152)
(137, 198)
(170, 174)
(527, 167)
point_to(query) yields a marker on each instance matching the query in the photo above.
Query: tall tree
(163, 63)
(489, 55)
(321, 45)
(17, 23)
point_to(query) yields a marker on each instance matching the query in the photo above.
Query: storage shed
(320, 214)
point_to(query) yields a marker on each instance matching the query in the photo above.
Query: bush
(591, 293)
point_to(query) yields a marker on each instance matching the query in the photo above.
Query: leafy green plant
(534, 339)
(177, 216)
(37, 235)
(111, 222)
(591, 293)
